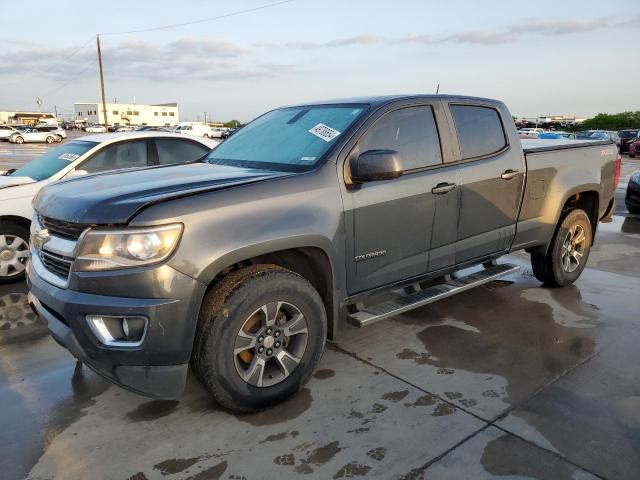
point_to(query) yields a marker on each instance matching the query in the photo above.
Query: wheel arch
(587, 198)
(17, 220)
(313, 262)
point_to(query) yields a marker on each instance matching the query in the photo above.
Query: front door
(390, 223)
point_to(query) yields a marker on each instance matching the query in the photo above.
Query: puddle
(505, 332)
(509, 456)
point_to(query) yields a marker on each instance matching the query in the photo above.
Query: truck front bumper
(156, 368)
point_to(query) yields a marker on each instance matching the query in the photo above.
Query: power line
(57, 89)
(40, 73)
(209, 19)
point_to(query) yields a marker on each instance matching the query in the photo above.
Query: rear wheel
(14, 252)
(261, 332)
(568, 253)
(19, 139)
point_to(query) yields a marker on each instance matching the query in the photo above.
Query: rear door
(390, 223)
(171, 151)
(492, 178)
(121, 155)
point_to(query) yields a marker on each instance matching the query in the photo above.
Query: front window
(291, 139)
(54, 160)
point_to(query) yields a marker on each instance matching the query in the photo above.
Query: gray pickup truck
(244, 263)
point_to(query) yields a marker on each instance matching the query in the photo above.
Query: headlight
(114, 249)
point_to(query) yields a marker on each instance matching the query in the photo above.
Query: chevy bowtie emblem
(40, 237)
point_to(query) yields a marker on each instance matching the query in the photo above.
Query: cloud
(181, 60)
(561, 27)
(366, 39)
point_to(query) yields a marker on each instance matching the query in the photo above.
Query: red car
(634, 147)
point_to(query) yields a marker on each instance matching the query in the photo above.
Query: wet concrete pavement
(507, 380)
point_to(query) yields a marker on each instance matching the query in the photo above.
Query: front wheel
(261, 332)
(14, 252)
(19, 140)
(50, 139)
(568, 253)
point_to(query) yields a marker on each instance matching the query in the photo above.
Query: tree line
(611, 121)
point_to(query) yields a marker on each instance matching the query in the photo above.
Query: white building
(162, 114)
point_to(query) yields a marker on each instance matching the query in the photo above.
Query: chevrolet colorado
(243, 263)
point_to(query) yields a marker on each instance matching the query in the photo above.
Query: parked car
(627, 137)
(95, 129)
(6, 131)
(90, 154)
(244, 264)
(125, 128)
(634, 148)
(196, 129)
(33, 135)
(632, 199)
(551, 136)
(60, 132)
(531, 131)
(228, 132)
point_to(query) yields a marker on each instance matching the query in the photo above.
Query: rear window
(628, 133)
(479, 129)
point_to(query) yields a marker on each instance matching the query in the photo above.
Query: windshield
(289, 139)
(628, 133)
(54, 160)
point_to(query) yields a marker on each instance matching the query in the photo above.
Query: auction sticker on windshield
(325, 133)
(68, 156)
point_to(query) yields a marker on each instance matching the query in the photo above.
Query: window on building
(120, 155)
(128, 112)
(135, 112)
(410, 131)
(115, 112)
(171, 114)
(179, 151)
(164, 114)
(155, 114)
(479, 129)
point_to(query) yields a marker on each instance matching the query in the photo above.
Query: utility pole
(104, 103)
(55, 109)
(205, 118)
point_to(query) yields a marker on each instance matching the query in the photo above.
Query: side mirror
(375, 165)
(76, 173)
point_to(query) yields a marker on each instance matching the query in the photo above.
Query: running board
(374, 313)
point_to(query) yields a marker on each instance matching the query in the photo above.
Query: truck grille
(60, 228)
(56, 264)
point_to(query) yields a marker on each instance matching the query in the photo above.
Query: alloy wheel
(573, 248)
(270, 344)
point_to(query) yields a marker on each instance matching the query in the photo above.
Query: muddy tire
(261, 332)
(14, 252)
(568, 253)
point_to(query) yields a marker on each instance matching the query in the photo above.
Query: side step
(368, 315)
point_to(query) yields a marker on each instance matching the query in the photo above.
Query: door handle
(443, 188)
(509, 174)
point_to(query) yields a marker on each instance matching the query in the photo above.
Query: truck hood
(10, 181)
(115, 197)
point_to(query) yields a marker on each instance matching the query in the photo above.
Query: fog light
(116, 331)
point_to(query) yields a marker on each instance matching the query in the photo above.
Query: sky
(571, 57)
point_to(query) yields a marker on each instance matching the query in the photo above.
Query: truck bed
(541, 145)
